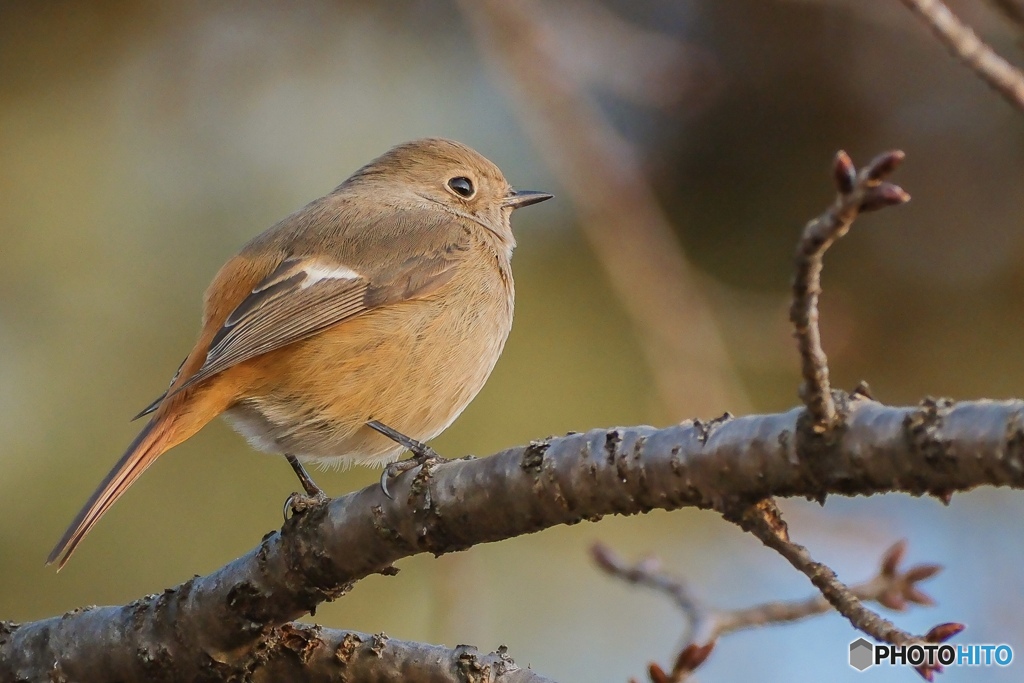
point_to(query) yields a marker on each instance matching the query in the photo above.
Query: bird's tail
(161, 434)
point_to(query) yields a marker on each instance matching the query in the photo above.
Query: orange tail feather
(155, 438)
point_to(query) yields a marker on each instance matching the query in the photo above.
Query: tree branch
(292, 652)
(890, 587)
(765, 522)
(238, 622)
(857, 192)
(966, 46)
(935, 448)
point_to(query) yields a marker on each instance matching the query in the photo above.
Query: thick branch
(303, 652)
(935, 448)
(966, 46)
(299, 653)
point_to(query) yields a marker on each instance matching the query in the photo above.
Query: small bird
(359, 326)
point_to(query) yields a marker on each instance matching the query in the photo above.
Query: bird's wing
(151, 408)
(306, 294)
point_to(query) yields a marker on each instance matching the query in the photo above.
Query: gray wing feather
(296, 301)
(278, 312)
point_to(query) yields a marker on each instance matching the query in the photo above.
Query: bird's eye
(462, 186)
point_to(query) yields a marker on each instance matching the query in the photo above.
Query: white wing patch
(316, 272)
(311, 272)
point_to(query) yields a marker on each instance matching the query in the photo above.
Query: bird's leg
(422, 454)
(307, 482)
(314, 494)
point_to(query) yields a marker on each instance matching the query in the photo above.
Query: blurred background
(687, 143)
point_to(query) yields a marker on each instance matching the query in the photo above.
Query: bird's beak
(518, 200)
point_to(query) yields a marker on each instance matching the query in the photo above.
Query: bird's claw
(297, 503)
(400, 467)
(422, 454)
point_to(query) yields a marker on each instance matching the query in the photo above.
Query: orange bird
(361, 325)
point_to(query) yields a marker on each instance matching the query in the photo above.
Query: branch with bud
(866, 190)
(891, 587)
(231, 622)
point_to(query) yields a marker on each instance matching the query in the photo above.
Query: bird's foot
(422, 454)
(298, 503)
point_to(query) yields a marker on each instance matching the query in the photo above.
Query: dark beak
(518, 200)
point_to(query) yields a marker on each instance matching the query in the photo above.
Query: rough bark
(213, 624)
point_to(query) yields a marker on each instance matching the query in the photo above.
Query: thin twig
(966, 46)
(765, 522)
(865, 190)
(648, 573)
(890, 586)
(857, 192)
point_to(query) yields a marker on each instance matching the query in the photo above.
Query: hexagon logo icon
(861, 654)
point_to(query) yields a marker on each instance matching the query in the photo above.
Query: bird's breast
(413, 365)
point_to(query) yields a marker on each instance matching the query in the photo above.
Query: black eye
(462, 186)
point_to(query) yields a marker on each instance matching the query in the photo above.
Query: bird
(357, 327)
